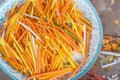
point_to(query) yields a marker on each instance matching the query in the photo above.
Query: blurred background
(107, 67)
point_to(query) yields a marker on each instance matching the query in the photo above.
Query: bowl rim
(80, 74)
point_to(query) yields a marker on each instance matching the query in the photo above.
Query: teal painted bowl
(95, 44)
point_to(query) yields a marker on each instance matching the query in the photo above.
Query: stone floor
(109, 11)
